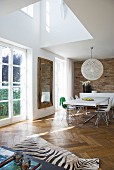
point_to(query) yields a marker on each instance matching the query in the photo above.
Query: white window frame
(12, 118)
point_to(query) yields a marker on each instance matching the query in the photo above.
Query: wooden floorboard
(84, 140)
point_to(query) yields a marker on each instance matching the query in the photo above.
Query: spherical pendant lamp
(92, 69)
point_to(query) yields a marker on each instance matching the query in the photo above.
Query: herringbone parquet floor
(86, 140)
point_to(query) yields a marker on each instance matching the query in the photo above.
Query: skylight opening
(28, 10)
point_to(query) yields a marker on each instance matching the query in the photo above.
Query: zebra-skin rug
(43, 150)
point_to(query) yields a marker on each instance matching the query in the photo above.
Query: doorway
(12, 84)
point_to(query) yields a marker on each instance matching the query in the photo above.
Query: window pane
(3, 94)
(5, 59)
(16, 74)
(4, 110)
(5, 53)
(17, 57)
(16, 108)
(16, 93)
(4, 73)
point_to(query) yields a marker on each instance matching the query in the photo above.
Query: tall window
(59, 81)
(12, 82)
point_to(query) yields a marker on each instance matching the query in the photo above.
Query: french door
(12, 84)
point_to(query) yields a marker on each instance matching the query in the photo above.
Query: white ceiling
(97, 16)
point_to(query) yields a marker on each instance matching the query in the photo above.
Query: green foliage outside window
(4, 111)
(3, 94)
(16, 93)
(16, 108)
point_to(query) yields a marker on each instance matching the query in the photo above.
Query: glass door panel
(16, 93)
(4, 110)
(16, 101)
(5, 54)
(16, 74)
(16, 108)
(12, 84)
(19, 81)
(3, 94)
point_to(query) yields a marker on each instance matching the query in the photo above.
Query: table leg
(90, 118)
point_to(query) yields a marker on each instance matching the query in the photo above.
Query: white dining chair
(104, 113)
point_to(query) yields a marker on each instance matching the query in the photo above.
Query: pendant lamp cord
(91, 51)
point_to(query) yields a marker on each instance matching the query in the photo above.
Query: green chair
(62, 99)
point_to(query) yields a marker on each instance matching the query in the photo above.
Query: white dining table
(96, 102)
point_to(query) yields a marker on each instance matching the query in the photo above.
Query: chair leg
(106, 120)
(113, 112)
(108, 117)
(105, 117)
(98, 118)
(70, 115)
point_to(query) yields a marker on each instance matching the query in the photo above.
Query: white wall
(20, 28)
(62, 24)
